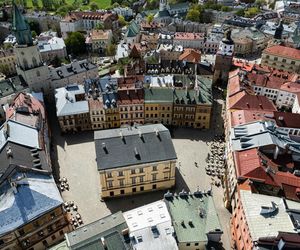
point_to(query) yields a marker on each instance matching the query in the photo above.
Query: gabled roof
(133, 29)
(190, 55)
(158, 95)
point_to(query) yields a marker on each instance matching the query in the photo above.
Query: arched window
(38, 73)
(34, 62)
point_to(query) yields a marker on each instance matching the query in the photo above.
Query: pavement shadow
(192, 134)
(130, 202)
(78, 138)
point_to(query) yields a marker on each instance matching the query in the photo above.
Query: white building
(150, 227)
(54, 47)
(123, 11)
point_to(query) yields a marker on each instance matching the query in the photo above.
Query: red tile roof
(240, 117)
(190, 55)
(95, 104)
(130, 96)
(249, 166)
(188, 36)
(283, 51)
(245, 101)
(243, 65)
(286, 119)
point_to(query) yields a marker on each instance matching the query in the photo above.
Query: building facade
(282, 58)
(148, 160)
(7, 62)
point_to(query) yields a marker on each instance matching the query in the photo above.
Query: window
(196, 244)
(293, 62)
(154, 168)
(284, 60)
(1, 242)
(111, 193)
(121, 173)
(140, 239)
(21, 232)
(154, 186)
(142, 188)
(141, 170)
(141, 178)
(122, 191)
(133, 190)
(275, 58)
(121, 182)
(53, 237)
(188, 244)
(154, 177)
(110, 184)
(133, 179)
(109, 175)
(132, 171)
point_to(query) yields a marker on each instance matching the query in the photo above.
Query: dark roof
(21, 155)
(124, 147)
(158, 95)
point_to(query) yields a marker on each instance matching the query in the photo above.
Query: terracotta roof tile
(240, 117)
(283, 51)
(286, 119)
(190, 55)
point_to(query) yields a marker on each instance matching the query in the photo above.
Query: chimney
(9, 153)
(104, 147)
(14, 187)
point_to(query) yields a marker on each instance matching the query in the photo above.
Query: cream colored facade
(192, 245)
(112, 118)
(202, 116)
(279, 62)
(7, 62)
(137, 179)
(159, 113)
(41, 233)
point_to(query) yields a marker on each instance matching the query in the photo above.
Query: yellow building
(135, 159)
(282, 58)
(159, 105)
(7, 62)
(97, 114)
(111, 110)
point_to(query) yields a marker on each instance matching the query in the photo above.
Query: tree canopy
(75, 43)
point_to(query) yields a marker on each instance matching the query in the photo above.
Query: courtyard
(74, 157)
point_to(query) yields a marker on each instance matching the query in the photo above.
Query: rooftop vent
(9, 153)
(168, 195)
(136, 153)
(104, 147)
(266, 210)
(191, 223)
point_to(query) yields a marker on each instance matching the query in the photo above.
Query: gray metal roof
(12, 131)
(73, 68)
(267, 225)
(66, 103)
(89, 236)
(155, 144)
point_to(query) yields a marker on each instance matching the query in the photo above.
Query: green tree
(56, 62)
(33, 34)
(93, 6)
(240, 12)
(150, 18)
(251, 12)
(34, 26)
(35, 4)
(75, 43)
(4, 69)
(111, 50)
(122, 21)
(226, 8)
(193, 15)
(99, 26)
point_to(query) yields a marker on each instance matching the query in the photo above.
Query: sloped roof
(283, 51)
(89, 237)
(190, 55)
(66, 103)
(36, 194)
(151, 147)
(158, 95)
(186, 209)
(245, 101)
(132, 30)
